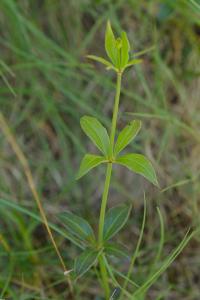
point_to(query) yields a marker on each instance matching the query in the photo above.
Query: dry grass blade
(20, 155)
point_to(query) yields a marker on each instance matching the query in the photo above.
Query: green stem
(115, 111)
(104, 277)
(103, 270)
(104, 202)
(109, 166)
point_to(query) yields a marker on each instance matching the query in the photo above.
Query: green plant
(110, 147)
(96, 250)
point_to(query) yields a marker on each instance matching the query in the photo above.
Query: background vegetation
(46, 85)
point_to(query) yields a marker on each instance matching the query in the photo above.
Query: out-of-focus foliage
(46, 85)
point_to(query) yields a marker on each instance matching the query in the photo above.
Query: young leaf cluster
(117, 50)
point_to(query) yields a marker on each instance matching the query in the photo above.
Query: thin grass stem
(11, 139)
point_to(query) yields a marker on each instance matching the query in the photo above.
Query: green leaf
(126, 136)
(97, 133)
(85, 261)
(118, 46)
(115, 219)
(116, 250)
(101, 60)
(124, 50)
(12, 205)
(134, 62)
(77, 226)
(89, 162)
(110, 44)
(139, 164)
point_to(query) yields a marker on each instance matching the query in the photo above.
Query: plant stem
(103, 270)
(115, 111)
(104, 202)
(104, 277)
(109, 166)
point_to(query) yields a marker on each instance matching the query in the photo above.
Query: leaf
(77, 226)
(89, 162)
(139, 164)
(134, 62)
(85, 261)
(10, 204)
(124, 50)
(126, 136)
(97, 133)
(101, 60)
(116, 250)
(110, 44)
(118, 46)
(115, 219)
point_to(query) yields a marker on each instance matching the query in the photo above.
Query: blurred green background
(46, 85)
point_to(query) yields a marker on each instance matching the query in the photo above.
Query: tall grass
(43, 92)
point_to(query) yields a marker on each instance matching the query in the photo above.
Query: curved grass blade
(135, 254)
(34, 216)
(164, 266)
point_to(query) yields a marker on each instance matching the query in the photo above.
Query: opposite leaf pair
(98, 134)
(81, 230)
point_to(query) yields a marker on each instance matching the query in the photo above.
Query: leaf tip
(157, 184)
(77, 177)
(108, 24)
(155, 181)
